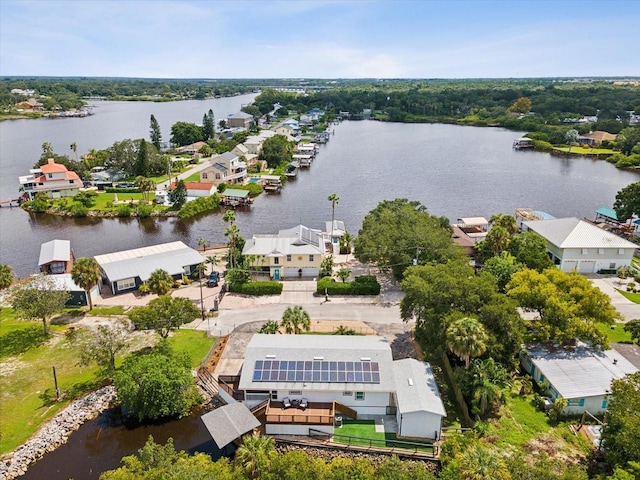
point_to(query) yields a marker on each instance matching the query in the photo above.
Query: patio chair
(286, 403)
(304, 403)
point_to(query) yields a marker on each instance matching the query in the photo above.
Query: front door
(276, 274)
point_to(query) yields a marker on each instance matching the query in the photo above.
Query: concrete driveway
(610, 286)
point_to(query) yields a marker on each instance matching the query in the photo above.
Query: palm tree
(508, 222)
(343, 274)
(295, 320)
(6, 276)
(212, 260)
(160, 282)
(145, 185)
(86, 274)
(203, 243)
(255, 454)
(480, 463)
(270, 327)
(466, 338)
(230, 218)
(334, 199)
(346, 240)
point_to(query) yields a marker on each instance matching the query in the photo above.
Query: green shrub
(124, 210)
(542, 146)
(256, 288)
(199, 205)
(361, 285)
(79, 210)
(144, 211)
(255, 189)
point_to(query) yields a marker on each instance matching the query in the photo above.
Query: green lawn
(193, 178)
(586, 151)
(615, 333)
(365, 434)
(27, 396)
(519, 423)
(634, 297)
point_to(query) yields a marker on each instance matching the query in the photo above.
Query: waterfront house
(225, 168)
(474, 228)
(197, 189)
(51, 178)
(595, 138)
(335, 232)
(56, 257)
(579, 373)
(234, 197)
(271, 183)
(127, 270)
(192, 149)
(293, 253)
(574, 244)
(240, 119)
(312, 381)
(253, 144)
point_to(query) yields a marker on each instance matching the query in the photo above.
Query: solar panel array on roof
(316, 371)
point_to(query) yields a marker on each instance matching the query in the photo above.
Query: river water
(455, 171)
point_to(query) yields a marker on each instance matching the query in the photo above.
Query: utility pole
(55, 382)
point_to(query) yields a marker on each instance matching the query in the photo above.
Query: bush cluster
(256, 288)
(199, 205)
(255, 189)
(361, 285)
(121, 190)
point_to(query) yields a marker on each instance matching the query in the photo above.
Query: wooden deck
(314, 414)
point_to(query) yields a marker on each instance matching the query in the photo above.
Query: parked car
(214, 278)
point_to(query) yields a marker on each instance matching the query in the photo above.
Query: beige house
(293, 253)
(225, 168)
(596, 138)
(240, 119)
(51, 178)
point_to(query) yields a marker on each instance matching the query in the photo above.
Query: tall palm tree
(86, 274)
(255, 454)
(295, 320)
(466, 338)
(334, 199)
(212, 260)
(145, 185)
(230, 218)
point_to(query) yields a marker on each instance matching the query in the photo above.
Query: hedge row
(257, 288)
(199, 205)
(362, 285)
(121, 190)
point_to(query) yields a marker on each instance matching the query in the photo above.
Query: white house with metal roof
(56, 257)
(309, 379)
(292, 253)
(574, 244)
(579, 373)
(127, 270)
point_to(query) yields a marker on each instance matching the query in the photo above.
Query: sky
(320, 39)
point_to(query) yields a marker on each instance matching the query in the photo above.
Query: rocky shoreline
(56, 432)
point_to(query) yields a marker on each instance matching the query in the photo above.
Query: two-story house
(240, 119)
(293, 253)
(225, 168)
(51, 178)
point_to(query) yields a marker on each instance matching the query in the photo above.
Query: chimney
(50, 161)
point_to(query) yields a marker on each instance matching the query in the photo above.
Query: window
(288, 258)
(71, 182)
(359, 396)
(217, 176)
(274, 395)
(49, 175)
(612, 265)
(601, 251)
(126, 283)
(204, 176)
(311, 258)
(575, 402)
(347, 394)
(276, 261)
(604, 404)
(295, 392)
(621, 251)
(585, 251)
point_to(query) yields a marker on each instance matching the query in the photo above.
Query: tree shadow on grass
(21, 341)
(76, 390)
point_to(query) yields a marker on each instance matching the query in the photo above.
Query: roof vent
(615, 361)
(271, 356)
(365, 359)
(318, 358)
(410, 381)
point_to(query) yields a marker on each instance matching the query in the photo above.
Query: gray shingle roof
(579, 372)
(416, 387)
(575, 233)
(229, 422)
(308, 347)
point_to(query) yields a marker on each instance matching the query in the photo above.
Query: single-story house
(56, 257)
(127, 270)
(292, 253)
(578, 373)
(595, 138)
(574, 244)
(324, 376)
(197, 189)
(192, 149)
(78, 296)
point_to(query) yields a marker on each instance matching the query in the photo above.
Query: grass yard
(634, 297)
(365, 430)
(586, 151)
(193, 178)
(105, 311)
(615, 333)
(27, 397)
(520, 422)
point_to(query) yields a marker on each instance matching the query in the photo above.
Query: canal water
(455, 171)
(100, 444)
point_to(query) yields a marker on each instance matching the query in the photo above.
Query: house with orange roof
(595, 138)
(51, 178)
(197, 189)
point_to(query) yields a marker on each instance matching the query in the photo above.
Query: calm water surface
(455, 171)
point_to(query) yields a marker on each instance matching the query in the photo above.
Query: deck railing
(386, 445)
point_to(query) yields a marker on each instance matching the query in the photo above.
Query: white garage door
(587, 266)
(569, 265)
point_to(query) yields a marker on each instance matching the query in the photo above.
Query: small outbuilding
(229, 422)
(55, 257)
